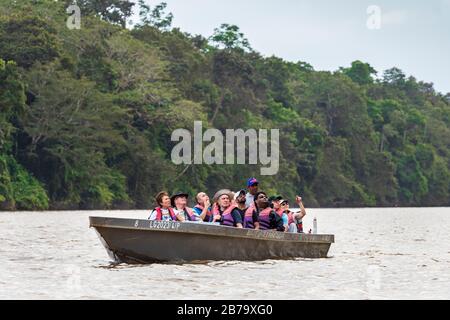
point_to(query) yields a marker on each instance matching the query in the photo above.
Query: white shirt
(178, 212)
(184, 214)
(165, 215)
(249, 199)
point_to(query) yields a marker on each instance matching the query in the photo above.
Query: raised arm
(302, 213)
(206, 205)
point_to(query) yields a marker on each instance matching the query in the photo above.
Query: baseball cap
(275, 198)
(237, 194)
(252, 182)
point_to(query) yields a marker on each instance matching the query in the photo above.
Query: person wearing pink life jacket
(267, 217)
(182, 211)
(295, 218)
(251, 218)
(224, 211)
(275, 203)
(248, 213)
(163, 212)
(239, 202)
(203, 209)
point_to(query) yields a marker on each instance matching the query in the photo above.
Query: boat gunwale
(300, 238)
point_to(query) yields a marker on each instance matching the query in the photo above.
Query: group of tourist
(249, 209)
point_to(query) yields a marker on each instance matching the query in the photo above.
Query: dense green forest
(86, 115)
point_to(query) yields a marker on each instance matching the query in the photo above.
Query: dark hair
(256, 198)
(258, 194)
(160, 196)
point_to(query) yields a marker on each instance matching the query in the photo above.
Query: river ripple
(379, 254)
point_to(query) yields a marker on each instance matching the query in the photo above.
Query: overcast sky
(413, 35)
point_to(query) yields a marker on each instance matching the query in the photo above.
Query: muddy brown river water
(379, 254)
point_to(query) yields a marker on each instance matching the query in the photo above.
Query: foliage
(230, 37)
(18, 189)
(114, 11)
(360, 72)
(27, 39)
(86, 116)
(155, 17)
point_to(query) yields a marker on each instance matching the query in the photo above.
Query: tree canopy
(86, 116)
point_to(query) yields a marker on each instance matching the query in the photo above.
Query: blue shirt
(285, 219)
(198, 212)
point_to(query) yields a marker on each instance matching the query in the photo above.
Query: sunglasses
(262, 197)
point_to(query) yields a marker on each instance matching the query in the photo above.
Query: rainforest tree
(86, 116)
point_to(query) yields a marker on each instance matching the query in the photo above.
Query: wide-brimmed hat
(223, 192)
(178, 195)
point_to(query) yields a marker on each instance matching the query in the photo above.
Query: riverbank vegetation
(86, 115)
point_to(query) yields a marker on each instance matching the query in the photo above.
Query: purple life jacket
(227, 217)
(248, 218)
(264, 219)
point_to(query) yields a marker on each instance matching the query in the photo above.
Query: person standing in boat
(224, 211)
(163, 212)
(267, 217)
(182, 211)
(252, 187)
(203, 209)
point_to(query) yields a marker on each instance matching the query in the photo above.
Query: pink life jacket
(290, 217)
(191, 214)
(159, 214)
(280, 212)
(227, 217)
(299, 223)
(248, 218)
(264, 219)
